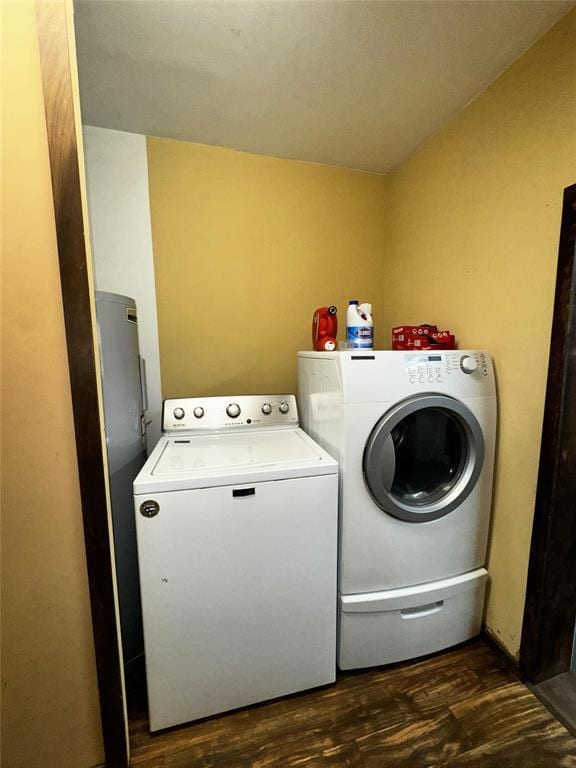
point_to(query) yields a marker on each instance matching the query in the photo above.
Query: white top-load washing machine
(414, 434)
(236, 519)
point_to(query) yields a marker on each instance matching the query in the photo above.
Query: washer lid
(239, 450)
(200, 461)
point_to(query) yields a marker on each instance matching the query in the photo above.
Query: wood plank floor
(559, 695)
(461, 709)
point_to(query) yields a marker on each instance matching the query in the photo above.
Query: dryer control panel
(437, 367)
(187, 414)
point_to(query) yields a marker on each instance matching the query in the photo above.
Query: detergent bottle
(359, 326)
(324, 329)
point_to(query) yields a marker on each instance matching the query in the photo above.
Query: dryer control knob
(283, 407)
(198, 411)
(266, 409)
(178, 413)
(468, 364)
(233, 410)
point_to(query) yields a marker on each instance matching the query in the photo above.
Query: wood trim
(64, 166)
(550, 610)
(501, 653)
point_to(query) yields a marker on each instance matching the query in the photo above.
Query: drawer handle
(237, 492)
(422, 610)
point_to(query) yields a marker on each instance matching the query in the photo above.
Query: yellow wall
(475, 226)
(245, 248)
(50, 711)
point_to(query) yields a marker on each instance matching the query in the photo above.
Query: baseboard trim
(501, 652)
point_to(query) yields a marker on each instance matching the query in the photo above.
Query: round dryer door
(423, 458)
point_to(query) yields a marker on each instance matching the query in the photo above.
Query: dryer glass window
(423, 458)
(431, 452)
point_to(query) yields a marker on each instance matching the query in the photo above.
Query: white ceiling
(354, 83)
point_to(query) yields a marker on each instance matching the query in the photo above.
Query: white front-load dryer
(414, 434)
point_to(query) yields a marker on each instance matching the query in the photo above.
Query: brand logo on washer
(149, 508)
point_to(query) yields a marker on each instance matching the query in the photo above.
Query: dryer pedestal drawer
(397, 624)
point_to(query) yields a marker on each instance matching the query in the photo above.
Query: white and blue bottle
(359, 326)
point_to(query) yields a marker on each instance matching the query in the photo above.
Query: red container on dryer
(421, 337)
(324, 329)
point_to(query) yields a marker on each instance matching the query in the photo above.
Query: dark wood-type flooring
(559, 695)
(461, 709)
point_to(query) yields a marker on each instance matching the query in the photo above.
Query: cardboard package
(421, 337)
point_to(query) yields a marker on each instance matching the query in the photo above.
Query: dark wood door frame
(550, 610)
(64, 166)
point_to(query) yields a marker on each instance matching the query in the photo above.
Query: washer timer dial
(233, 410)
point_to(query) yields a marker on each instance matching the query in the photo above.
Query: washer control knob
(233, 410)
(284, 407)
(266, 409)
(179, 413)
(468, 364)
(198, 412)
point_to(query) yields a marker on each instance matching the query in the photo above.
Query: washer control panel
(186, 414)
(437, 367)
